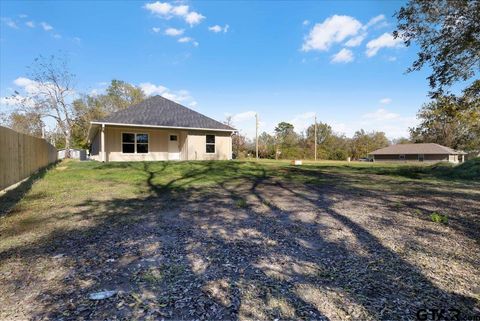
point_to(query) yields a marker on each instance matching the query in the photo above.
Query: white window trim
(214, 143)
(134, 143)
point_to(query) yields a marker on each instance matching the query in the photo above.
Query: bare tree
(49, 92)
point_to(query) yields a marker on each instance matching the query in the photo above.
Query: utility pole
(256, 136)
(315, 137)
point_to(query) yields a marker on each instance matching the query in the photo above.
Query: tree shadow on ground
(417, 197)
(187, 252)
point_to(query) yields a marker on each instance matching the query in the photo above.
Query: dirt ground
(253, 247)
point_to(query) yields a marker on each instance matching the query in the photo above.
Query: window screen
(210, 146)
(142, 143)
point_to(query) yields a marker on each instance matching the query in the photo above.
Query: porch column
(102, 144)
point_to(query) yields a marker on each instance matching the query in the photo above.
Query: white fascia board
(166, 127)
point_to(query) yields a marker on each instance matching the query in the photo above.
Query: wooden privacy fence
(22, 155)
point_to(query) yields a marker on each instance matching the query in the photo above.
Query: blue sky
(284, 60)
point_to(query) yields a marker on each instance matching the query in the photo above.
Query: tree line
(285, 143)
(449, 120)
(448, 37)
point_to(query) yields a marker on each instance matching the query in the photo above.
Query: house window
(134, 143)
(142, 143)
(421, 157)
(401, 157)
(210, 146)
(173, 138)
(128, 143)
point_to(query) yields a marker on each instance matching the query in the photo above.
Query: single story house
(417, 153)
(159, 129)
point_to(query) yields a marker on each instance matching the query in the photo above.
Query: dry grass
(238, 240)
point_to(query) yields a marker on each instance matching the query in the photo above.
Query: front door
(173, 149)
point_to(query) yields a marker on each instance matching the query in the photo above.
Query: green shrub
(439, 218)
(468, 170)
(241, 203)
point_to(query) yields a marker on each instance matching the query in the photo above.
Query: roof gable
(406, 149)
(159, 111)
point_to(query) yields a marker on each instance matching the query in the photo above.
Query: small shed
(79, 154)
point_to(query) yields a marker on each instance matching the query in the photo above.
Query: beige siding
(412, 158)
(157, 140)
(197, 146)
(191, 144)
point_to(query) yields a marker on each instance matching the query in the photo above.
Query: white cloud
(23, 16)
(305, 22)
(30, 24)
(301, 122)
(150, 89)
(161, 8)
(181, 96)
(244, 116)
(180, 10)
(17, 101)
(380, 115)
(187, 40)
(30, 86)
(338, 127)
(194, 18)
(355, 41)
(384, 41)
(166, 11)
(392, 58)
(174, 32)
(385, 101)
(10, 23)
(245, 122)
(46, 26)
(394, 125)
(340, 28)
(375, 20)
(94, 92)
(217, 28)
(343, 56)
(156, 29)
(57, 36)
(27, 87)
(334, 29)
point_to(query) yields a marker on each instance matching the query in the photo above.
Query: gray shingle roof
(406, 149)
(159, 111)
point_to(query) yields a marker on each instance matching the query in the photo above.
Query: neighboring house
(417, 153)
(159, 129)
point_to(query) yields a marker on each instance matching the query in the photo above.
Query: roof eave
(158, 126)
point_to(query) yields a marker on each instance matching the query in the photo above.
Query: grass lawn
(240, 240)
